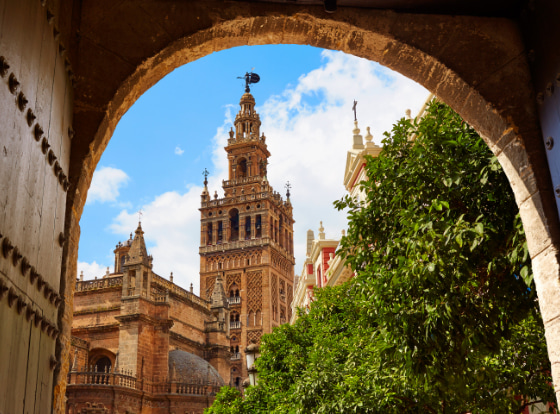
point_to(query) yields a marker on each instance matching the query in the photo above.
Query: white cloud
(309, 143)
(106, 184)
(92, 270)
(309, 130)
(178, 150)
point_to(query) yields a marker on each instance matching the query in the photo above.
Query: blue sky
(155, 159)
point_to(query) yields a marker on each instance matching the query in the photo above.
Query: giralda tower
(247, 238)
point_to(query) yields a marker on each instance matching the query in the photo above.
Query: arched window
(258, 230)
(242, 168)
(247, 228)
(234, 224)
(103, 364)
(220, 232)
(209, 233)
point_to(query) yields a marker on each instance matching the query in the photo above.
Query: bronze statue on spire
(250, 77)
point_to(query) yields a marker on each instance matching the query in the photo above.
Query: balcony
(235, 300)
(235, 325)
(236, 356)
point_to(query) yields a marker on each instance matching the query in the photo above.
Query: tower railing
(234, 300)
(238, 244)
(242, 180)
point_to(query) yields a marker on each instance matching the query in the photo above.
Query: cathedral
(143, 344)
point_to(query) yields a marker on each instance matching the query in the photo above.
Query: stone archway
(495, 96)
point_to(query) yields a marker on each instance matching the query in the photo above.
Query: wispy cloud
(309, 130)
(106, 184)
(178, 150)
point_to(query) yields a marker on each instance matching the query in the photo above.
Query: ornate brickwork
(254, 291)
(209, 286)
(274, 296)
(234, 278)
(281, 263)
(254, 336)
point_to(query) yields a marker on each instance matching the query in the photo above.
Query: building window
(234, 224)
(258, 230)
(220, 232)
(209, 233)
(242, 168)
(247, 228)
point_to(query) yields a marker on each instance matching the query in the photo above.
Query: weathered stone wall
(36, 104)
(188, 319)
(122, 401)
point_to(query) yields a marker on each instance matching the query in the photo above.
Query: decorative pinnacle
(205, 174)
(263, 165)
(288, 186)
(250, 77)
(354, 109)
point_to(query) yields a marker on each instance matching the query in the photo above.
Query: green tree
(441, 315)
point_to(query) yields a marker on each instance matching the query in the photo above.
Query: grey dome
(189, 368)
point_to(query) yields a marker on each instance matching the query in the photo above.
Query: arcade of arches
(71, 68)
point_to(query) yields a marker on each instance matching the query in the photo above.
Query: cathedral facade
(142, 344)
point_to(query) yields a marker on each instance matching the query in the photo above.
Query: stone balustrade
(171, 287)
(235, 300)
(128, 380)
(109, 282)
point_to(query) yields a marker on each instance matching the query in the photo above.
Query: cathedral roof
(189, 368)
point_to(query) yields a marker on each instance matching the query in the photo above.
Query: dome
(189, 368)
(247, 97)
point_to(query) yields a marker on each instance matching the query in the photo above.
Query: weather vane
(288, 186)
(250, 77)
(354, 109)
(139, 216)
(205, 174)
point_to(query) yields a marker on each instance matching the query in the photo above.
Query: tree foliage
(442, 314)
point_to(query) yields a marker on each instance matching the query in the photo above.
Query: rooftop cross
(139, 216)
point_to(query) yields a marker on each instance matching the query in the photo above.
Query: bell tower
(247, 237)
